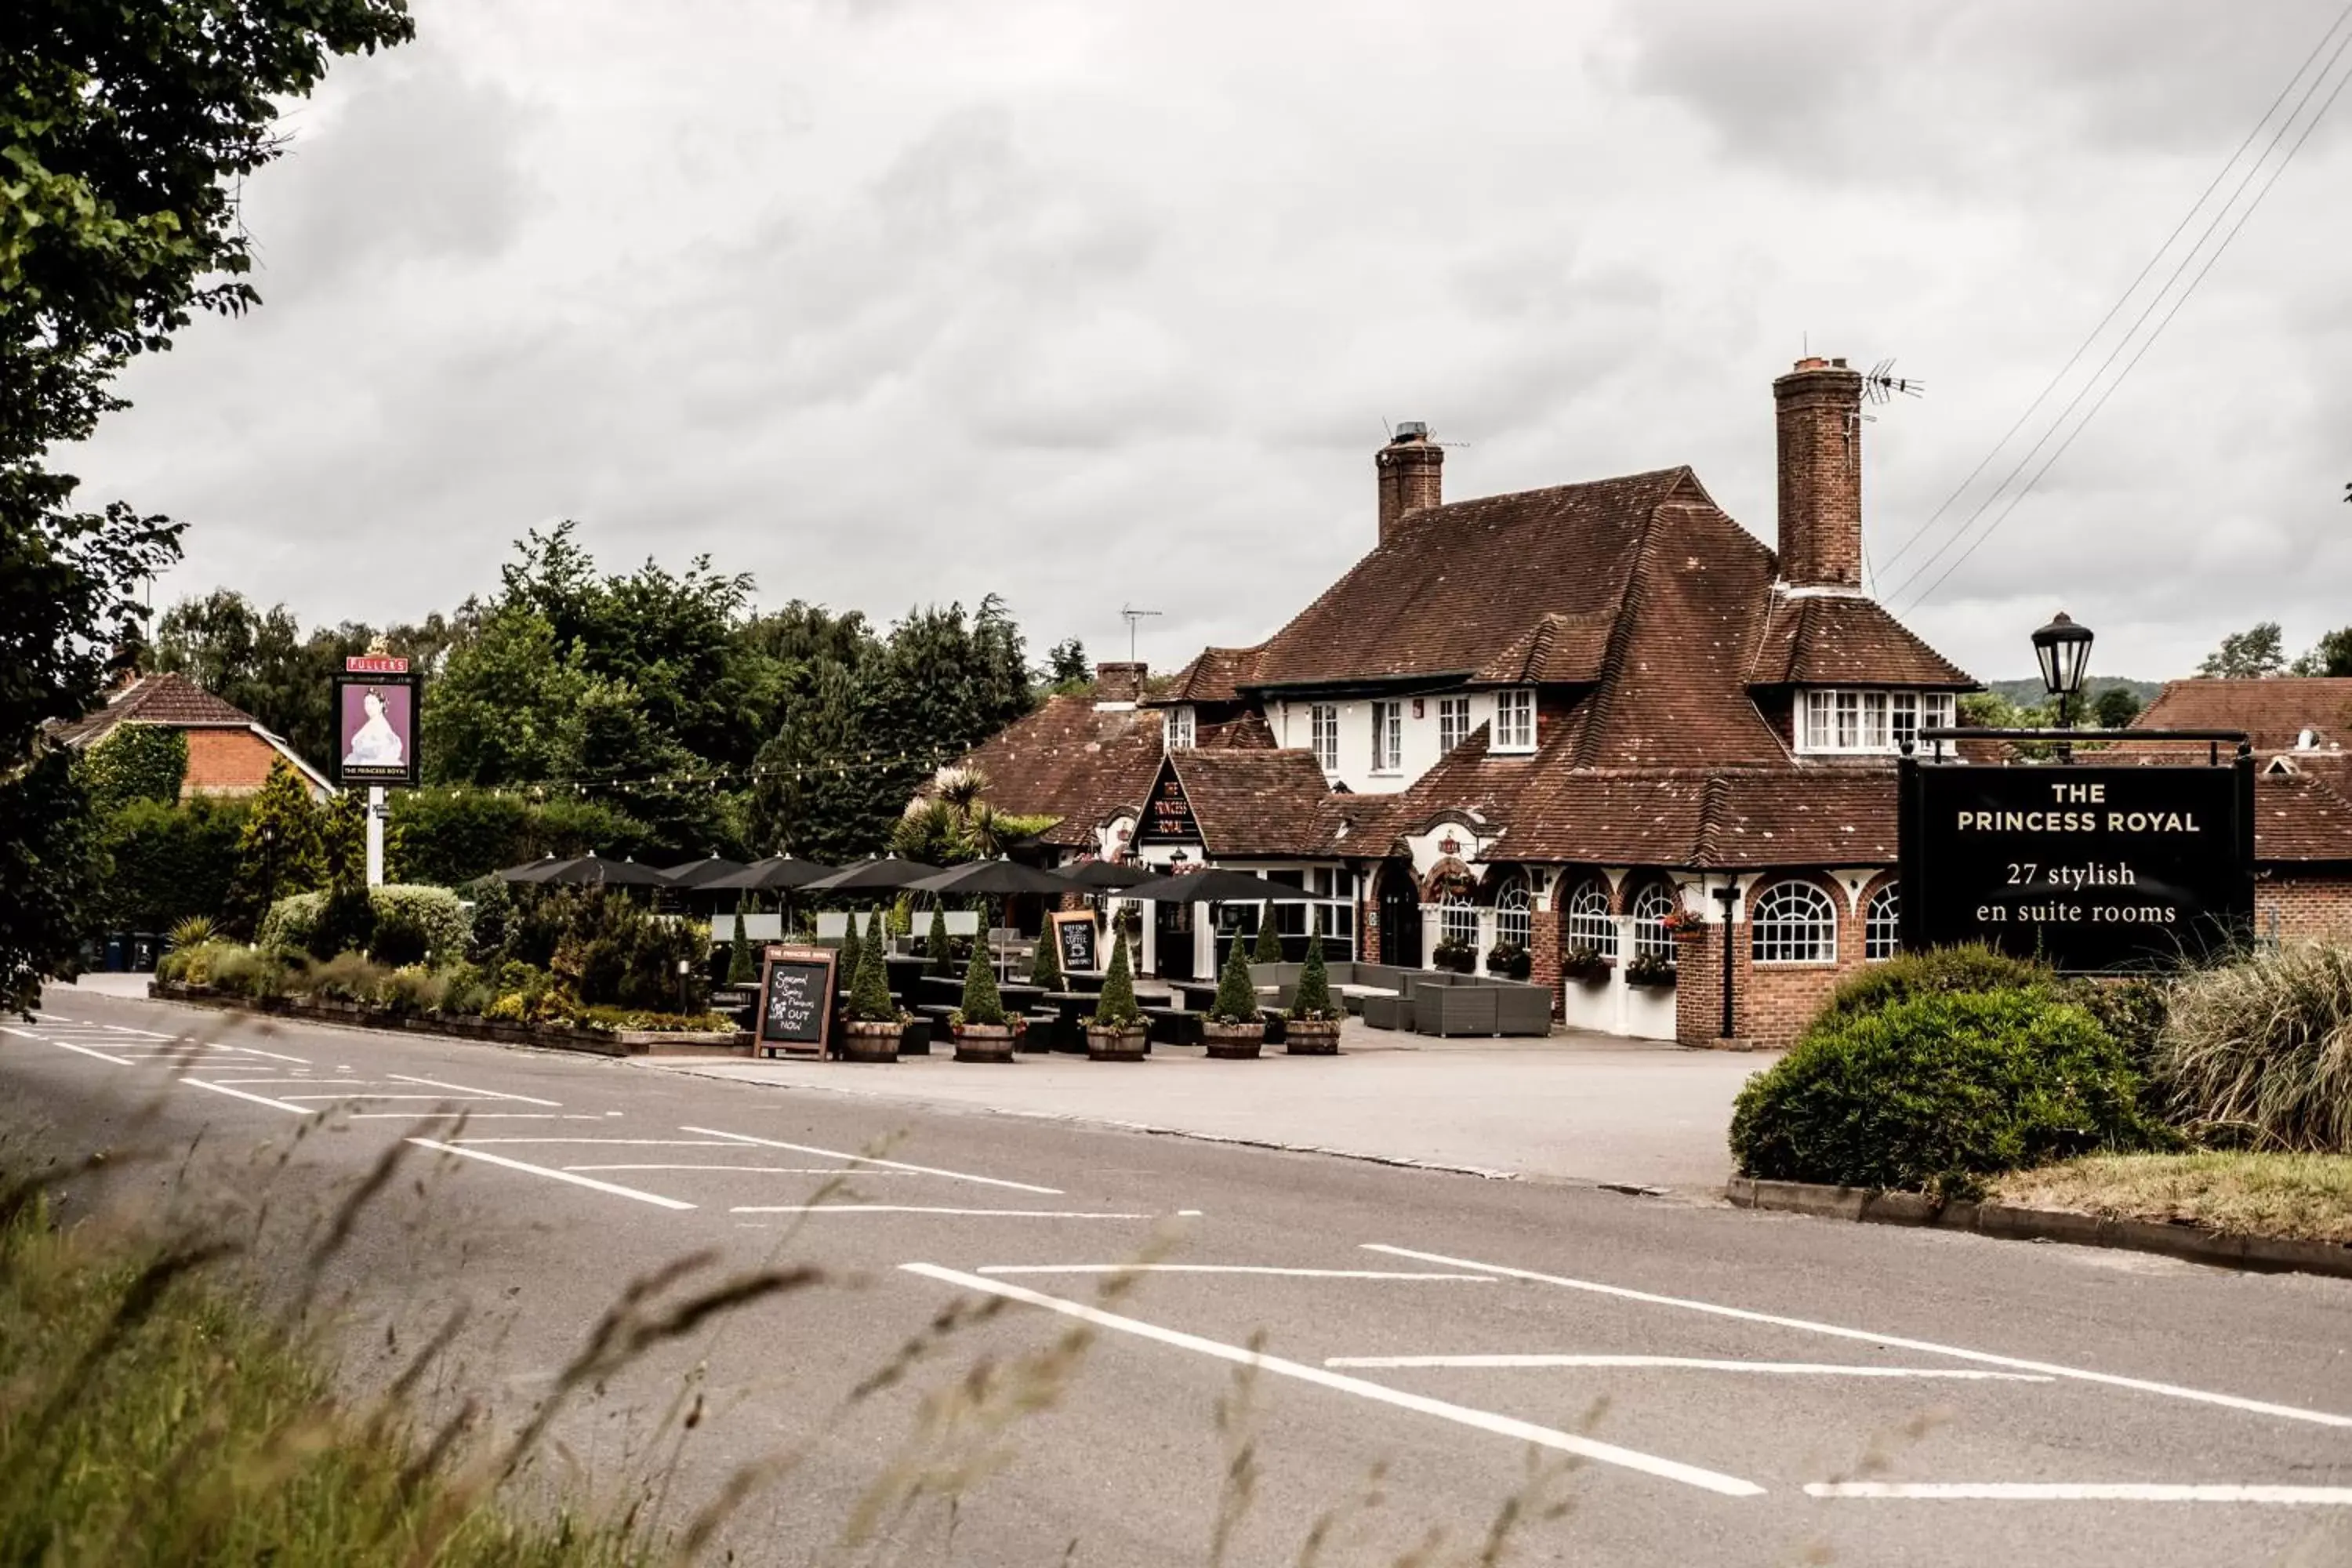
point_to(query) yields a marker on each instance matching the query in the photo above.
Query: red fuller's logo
(1449, 845)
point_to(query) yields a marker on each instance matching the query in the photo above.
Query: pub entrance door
(1400, 903)
(1171, 935)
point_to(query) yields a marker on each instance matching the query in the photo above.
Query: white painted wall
(1294, 726)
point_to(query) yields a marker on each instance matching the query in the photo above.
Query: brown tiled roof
(1558, 649)
(163, 698)
(1246, 732)
(1822, 639)
(2273, 711)
(1217, 675)
(1250, 803)
(1070, 761)
(2300, 819)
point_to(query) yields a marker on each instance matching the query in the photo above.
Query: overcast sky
(1089, 303)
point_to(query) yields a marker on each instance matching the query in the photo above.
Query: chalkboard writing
(1075, 940)
(796, 989)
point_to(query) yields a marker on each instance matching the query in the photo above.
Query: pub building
(1550, 720)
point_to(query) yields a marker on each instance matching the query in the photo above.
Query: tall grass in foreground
(2259, 1050)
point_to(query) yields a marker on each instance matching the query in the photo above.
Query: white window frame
(1323, 728)
(1514, 720)
(1515, 916)
(1457, 920)
(1649, 908)
(1589, 921)
(1177, 728)
(1453, 723)
(1882, 923)
(1793, 921)
(1847, 720)
(1387, 737)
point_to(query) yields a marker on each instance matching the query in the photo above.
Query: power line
(2155, 301)
(2122, 300)
(2149, 341)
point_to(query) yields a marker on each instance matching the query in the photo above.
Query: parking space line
(1926, 1347)
(615, 1189)
(482, 1093)
(1693, 1363)
(434, 1098)
(469, 1115)
(2085, 1491)
(126, 1029)
(256, 1098)
(872, 1160)
(1004, 1269)
(78, 1050)
(749, 1169)
(257, 1051)
(911, 1208)
(1461, 1415)
(619, 1142)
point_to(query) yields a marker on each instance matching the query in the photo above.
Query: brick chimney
(1820, 407)
(1413, 474)
(1118, 685)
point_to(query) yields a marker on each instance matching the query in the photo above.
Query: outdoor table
(1090, 979)
(945, 988)
(904, 970)
(1020, 998)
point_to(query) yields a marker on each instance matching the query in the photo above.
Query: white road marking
(482, 1093)
(1694, 1363)
(1461, 1415)
(751, 1169)
(871, 1160)
(258, 1100)
(1187, 1214)
(2084, 1492)
(125, 1029)
(273, 1056)
(1002, 1268)
(349, 1095)
(469, 1115)
(909, 1208)
(40, 1017)
(29, 1034)
(589, 1182)
(621, 1142)
(1927, 1347)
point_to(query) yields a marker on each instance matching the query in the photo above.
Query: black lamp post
(2063, 650)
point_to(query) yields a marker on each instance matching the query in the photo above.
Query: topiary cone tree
(870, 992)
(982, 1003)
(1268, 949)
(1117, 1009)
(935, 944)
(1046, 963)
(739, 951)
(851, 950)
(1312, 1001)
(1236, 1000)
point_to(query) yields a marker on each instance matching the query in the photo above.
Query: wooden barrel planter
(865, 1042)
(986, 1042)
(1233, 1042)
(1118, 1045)
(1312, 1037)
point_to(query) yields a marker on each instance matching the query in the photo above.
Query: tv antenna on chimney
(1419, 429)
(1131, 614)
(1881, 384)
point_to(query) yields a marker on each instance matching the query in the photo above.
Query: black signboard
(1076, 941)
(2094, 870)
(1168, 815)
(796, 998)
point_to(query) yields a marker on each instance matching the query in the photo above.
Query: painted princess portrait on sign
(376, 723)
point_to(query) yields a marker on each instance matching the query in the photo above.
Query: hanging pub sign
(2095, 870)
(1168, 815)
(376, 707)
(797, 997)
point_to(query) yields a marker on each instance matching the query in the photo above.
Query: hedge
(409, 922)
(133, 762)
(168, 861)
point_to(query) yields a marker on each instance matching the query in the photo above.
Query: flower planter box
(1661, 980)
(986, 1042)
(871, 1042)
(1456, 963)
(1118, 1045)
(1233, 1042)
(1311, 1037)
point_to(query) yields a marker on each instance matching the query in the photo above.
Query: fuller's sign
(2095, 869)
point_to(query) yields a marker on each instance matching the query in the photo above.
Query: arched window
(1882, 923)
(1512, 923)
(1794, 923)
(1652, 905)
(1457, 920)
(1588, 924)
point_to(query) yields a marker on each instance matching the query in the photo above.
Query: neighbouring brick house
(1554, 720)
(229, 753)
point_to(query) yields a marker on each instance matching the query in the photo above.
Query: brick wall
(1819, 407)
(2291, 903)
(1772, 1002)
(226, 762)
(1543, 952)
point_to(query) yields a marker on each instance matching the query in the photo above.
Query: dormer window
(1176, 728)
(1840, 719)
(1514, 721)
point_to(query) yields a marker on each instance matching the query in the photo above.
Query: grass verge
(2290, 1197)
(146, 1417)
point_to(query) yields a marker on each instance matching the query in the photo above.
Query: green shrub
(290, 922)
(870, 990)
(193, 963)
(613, 950)
(135, 762)
(852, 949)
(192, 930)
(1972, 967)
(491, 920)
(1936, 1091)
(740, 971)
(345, 977)
(2133, 1012)
(167, 862)
(1269, 947)
(1236, 1000)
(1311, 1003)
(1116, 1008)
(2258, 1050)
(1046, 963)
(255, 973)
(346, 922)
(982, 1003)
(416, 924)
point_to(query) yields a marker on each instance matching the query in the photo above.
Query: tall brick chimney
(1413, 473)
(1819, 408)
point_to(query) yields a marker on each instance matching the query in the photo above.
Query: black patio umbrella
(883, 874)
(588, 871)
(996, 878)
(531, 871)
(1111, 873)
(1216, 887)
(777, 874)
(703, 872)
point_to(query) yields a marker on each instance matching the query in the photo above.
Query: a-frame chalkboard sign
(796, 1000)
(1077, 940)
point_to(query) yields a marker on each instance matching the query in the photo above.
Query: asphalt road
(1379, 1354)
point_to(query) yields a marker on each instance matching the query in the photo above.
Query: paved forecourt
(1717, 1379)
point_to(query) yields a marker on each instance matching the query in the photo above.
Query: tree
(2115, 709)
(277, 852)
(1267, 949)
(936, 946)
(1116, 1008)
(1312, 1000)
(2332, 654)
(2248, 655)
(984, 1004)
(1067, 667)
(740, 971)
(1046, 963)
(869, 991)
(1236, 1000)
(135, 762)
